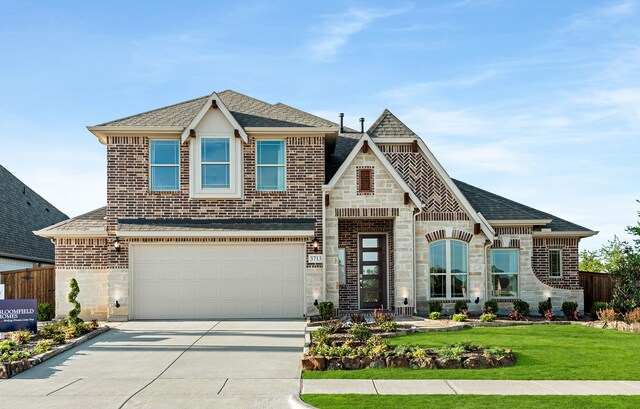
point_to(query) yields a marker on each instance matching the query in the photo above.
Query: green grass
(544, 352)
(470, 401)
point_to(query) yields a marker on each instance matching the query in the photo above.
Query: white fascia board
(205, 108)
(384, 140)
(560, 234)
(519, 223)
(376, 151)
(217, 233)
(486, 223)
(101, 132)
(488, 230)
(52, 233)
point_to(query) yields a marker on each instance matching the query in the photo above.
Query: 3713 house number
(314, 258)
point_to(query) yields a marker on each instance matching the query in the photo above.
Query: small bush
(597, 306)
(459, 306)
(45, 311)
(544, 306)
(435, 306)
(548, 315)
(16, 355)
(570, 310)
(321, 336)
(19, 337)
(495, 352)
(93, 325)
(633, 316)
(325, 309)
(488, 317)
(419, 353)
(607, 315)
(453, 351)
(357, 318)
(521, 306)
(74, 313)
(6, 346)
(490, 307)
(360, 332)
(380, 316)
(42, 346)
(389, 326)
(435, 315)
(516, 316)
(377, 346)
(459, 317)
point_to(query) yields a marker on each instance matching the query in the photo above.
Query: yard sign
(16, 315)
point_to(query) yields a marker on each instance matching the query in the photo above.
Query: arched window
(448, 269)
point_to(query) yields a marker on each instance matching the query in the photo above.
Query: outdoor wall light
(315, 243)
(477, 301)
(116, 244)
(117, 304)
(406, 301)
(315, 302)
(549, 300)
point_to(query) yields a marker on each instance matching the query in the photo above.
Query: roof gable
(209, 103)
(21, 211)
(389, 126)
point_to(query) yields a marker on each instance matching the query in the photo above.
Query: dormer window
(216, 166)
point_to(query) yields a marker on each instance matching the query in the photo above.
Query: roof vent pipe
(361, 125)
(341, 115)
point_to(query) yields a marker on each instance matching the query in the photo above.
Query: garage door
(174, 281)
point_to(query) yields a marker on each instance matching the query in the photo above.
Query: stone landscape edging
(11, 369)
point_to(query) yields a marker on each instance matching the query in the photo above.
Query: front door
(372, 255)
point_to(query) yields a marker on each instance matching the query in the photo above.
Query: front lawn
(543, 352)
(470, 401)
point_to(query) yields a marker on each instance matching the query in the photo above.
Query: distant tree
(590, 261)
(626, 275)
(604, 260)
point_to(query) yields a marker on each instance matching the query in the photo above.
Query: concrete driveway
(172, 364)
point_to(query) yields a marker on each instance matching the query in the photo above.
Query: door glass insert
(370, 242)
(370, 256)
(370, 283)
(370, 270)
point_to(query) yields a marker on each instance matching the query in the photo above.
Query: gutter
(27, 258)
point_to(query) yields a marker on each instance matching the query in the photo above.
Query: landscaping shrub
(459, 317)
(544, 306)
(597, 306)
(360, 332)
(16, 355)
(357, 318)
(459, 306)
(45, 311)
(6, 346)
(548, 315)
(435, 315)
(453, 351)
(92, 325)
(495, 352)
(389, 326)
(380, 316)
(320, 335)
(570, 310)
(633, 316)
(522, 307)
(42, 346)
(377, 346)
(435, 306)
(488, 317)
(607, 315)
(19, 337)
(515, 315)
(490, 307)
(325, 309)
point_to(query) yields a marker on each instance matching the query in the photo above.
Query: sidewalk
(468, 387)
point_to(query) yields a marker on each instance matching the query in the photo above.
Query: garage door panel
(217, 280)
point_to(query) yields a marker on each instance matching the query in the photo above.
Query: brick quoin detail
(128, 194)
(348, 230)
(540, 262)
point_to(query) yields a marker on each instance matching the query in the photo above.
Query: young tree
(626, 277)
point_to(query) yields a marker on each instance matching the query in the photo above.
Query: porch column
(403, 262)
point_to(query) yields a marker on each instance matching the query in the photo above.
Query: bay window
(448, 269)
(270, 165)
(504, 272)
(164, 164)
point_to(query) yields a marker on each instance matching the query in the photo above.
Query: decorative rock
(334, 363)
(378, 362)
(478, 362)
(422, 363)
(397, 362)
(350, 362)
(448, 363)
(365, 362)
(313, 363)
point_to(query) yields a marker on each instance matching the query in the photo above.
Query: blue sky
(538, 101)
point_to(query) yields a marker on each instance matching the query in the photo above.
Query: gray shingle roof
(21, 212)
(344, 146)
(495, 207)
(389, 126)
(212, 224)
(248, 111)
(92, 221)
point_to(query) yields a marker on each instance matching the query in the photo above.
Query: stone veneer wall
(387, 201)
(348, 238)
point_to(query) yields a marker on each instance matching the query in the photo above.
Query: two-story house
(226, 206)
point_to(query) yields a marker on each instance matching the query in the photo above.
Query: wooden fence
(597, 287)
(37, 282)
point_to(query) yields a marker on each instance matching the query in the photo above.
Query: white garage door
(174, 281)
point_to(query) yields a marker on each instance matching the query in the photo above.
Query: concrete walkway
(469, 387)
(170, 364)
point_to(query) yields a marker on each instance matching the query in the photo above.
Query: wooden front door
(372, 255)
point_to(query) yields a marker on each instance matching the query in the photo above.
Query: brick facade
(540, 262)
(82, 253)
(348, 230)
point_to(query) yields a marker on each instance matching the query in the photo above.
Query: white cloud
(602, 15)
(425, 121)
(421, 88)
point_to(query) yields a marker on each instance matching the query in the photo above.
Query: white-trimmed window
(555, 263)
(164, 161)
(271, 167)
(504, 272)
(216, 165)
(448, 269)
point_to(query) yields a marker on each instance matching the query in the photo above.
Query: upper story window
(270, 165)
(165, 165)
(215, 163)
(448, 269)
(555, 263)
(216, 166)
(504, 272)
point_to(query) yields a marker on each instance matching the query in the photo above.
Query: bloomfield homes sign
(16, 315)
